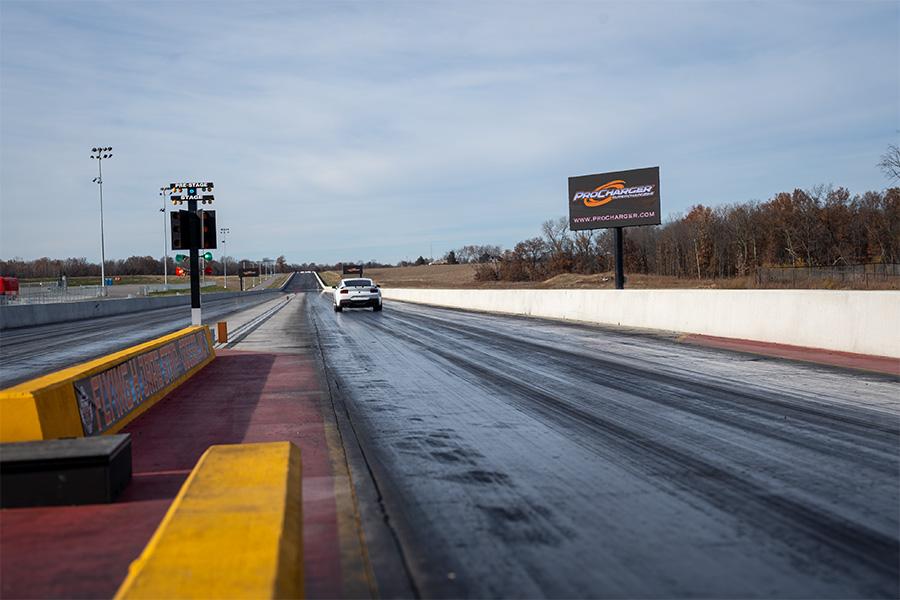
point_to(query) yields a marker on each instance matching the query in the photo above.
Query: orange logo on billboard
(612, 191)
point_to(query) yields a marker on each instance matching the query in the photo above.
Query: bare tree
(556, 233)
(890, 162)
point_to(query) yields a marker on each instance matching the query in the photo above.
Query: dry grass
(463, 277)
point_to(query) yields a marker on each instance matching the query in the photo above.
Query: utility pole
(224, 231)
(162, 192)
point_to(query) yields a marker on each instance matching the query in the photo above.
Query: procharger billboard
(618, 199)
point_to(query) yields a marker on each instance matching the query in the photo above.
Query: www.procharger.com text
(594, 218)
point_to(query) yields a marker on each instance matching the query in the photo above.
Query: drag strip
(519, 457)
(249, 327)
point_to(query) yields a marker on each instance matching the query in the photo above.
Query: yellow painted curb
(47, 407)
(235, 530)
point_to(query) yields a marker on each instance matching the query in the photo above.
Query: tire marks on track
(816, 532)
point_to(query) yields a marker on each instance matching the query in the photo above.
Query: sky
(347, 131)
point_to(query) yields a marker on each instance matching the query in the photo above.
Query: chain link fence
(877, 276)
(48, 292)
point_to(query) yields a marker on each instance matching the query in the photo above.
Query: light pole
(100, 154)
(225, 231)
(162, 192)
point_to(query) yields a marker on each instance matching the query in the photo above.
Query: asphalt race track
(520, 458)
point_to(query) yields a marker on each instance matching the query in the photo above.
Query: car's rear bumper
(360, 302)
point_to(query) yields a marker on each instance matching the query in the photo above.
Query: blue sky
(345, 131)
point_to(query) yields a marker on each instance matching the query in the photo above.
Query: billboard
(618, 199)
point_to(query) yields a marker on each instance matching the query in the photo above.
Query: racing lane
(29, 352)
(520, 457)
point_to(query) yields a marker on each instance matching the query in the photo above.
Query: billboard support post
(620, 258)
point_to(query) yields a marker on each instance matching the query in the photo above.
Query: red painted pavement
(241, 397)
(828, 357)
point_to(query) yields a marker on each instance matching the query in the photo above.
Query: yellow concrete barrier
(104, 395)
(235, 530)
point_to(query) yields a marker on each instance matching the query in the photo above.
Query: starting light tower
(191, 230)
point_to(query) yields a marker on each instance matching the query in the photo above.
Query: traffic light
(180, 257)
(208, 270)
(207, 198)
(179, 271)
(180, 230)
(208, 229)
(207, 256)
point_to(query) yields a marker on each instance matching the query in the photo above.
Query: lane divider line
(249, 327)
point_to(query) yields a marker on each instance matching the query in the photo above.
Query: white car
(356, 293)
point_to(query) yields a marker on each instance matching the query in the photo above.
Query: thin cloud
(419, 125)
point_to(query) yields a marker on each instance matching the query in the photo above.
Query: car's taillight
(343, 291)
(374, 290)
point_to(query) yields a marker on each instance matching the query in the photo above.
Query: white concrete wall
(862, 322)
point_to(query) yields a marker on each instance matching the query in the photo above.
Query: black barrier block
(91, 470)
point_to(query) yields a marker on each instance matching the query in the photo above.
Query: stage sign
(105, 398)
(619, 199)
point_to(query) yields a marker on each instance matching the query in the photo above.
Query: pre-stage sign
(618, 199)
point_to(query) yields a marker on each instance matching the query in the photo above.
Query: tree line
(821, 227)
(53, 269)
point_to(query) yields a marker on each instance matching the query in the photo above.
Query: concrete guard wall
(860, 322)
(46, 408)
(235, 530)
(23, 315)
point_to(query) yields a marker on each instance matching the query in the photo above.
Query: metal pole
(224, 231)
(102, 243)
(620, 259)
(101, 153)
(162, 192)
(194, 220)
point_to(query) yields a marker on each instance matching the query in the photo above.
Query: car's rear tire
(377, 307)
(337, 308)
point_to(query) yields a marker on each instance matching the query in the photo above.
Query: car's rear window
(358, 283)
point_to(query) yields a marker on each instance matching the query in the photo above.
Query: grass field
(463, 277)
(234, 282)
